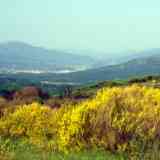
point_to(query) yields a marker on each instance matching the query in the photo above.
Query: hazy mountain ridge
(126, 56)
(22, 56)
(137, 67)
(18, 57)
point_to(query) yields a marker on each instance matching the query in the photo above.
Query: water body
(59, 83)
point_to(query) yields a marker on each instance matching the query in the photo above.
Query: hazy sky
(104, 25)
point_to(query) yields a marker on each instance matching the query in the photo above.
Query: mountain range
(148, 65)
(21, 57)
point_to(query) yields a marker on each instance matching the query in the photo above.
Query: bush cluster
(118, 119)
(34, 123)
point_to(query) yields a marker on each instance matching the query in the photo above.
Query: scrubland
(117, 123)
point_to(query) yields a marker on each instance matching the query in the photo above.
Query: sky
(97, 25)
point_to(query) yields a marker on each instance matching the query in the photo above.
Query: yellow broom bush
(33, 122)
(117, 119)
(112, 120)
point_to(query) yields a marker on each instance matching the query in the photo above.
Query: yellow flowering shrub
(116, 119)
(34, 122)
(112, 120)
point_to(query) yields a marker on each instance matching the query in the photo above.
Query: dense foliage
(118, 119)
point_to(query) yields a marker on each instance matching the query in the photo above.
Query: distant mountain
(123, 57)
(148, 65)
(143, 66)
(17, 56)
(21, 56)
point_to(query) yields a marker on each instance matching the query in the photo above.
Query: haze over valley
(21, 58)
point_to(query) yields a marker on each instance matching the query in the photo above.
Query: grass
(92, 155)
(17, 150)
(33, 154)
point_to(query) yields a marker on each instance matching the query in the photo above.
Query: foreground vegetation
(123, 121)
(11, 150)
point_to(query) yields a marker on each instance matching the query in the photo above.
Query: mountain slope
(137, 67)
(123, 57)
(21, 56)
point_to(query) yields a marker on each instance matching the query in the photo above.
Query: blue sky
(100, 25)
